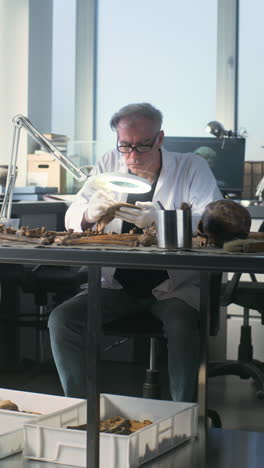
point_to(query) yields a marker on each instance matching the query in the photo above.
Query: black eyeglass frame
(132, 148)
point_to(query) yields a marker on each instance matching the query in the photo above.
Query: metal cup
(174, 228)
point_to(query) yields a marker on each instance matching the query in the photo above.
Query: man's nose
(134, 151)
(134, 156)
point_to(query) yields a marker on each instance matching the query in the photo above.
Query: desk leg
(201, 455)
(93, 357)
(202, 375)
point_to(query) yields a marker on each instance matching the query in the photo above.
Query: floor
(234, 399)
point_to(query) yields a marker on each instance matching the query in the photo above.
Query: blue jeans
(180, 325)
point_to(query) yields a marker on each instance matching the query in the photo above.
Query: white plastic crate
(12, 422)
(48, 439)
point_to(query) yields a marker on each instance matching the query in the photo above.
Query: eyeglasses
(137, 148)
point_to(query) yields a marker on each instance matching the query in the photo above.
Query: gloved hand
(97, 206)
(141, 218)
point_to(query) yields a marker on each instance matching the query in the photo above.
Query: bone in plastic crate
(48, 439)
(12, 422)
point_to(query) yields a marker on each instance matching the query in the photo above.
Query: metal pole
(202, 374)
(11, 178)
(152, 358)
(92, 363)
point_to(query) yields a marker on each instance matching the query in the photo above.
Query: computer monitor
(225, 157)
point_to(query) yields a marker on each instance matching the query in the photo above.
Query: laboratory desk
(203, 260)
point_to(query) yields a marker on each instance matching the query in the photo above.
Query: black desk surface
(209, 259)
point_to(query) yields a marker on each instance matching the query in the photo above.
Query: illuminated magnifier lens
(127, 183)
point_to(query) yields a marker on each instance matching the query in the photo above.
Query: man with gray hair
(171, 296)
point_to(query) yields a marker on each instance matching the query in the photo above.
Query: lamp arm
(19, 122)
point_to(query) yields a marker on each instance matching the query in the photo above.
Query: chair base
(152, 386)
(252, 369)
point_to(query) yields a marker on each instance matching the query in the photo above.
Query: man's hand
(97, 206)
(141, 218)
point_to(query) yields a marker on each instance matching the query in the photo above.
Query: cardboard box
(44, 170)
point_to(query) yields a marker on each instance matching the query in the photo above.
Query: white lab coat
(183, 178)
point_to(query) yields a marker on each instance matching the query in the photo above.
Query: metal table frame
(203, 261)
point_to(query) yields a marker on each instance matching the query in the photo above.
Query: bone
(110, 214)
(22, 239)
(244, 246)
(119, 239)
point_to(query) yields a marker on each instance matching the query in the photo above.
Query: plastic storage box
(48, 439)
(12, 422)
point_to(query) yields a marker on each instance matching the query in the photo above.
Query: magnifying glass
(128, 183)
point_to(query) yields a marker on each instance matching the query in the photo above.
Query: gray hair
(133, 111)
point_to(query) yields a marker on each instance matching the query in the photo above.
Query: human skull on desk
(223, 221)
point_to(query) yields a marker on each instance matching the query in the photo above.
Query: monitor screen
(225, 157)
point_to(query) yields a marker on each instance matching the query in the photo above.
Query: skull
(223, 221)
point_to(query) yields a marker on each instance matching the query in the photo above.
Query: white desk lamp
(115, 181)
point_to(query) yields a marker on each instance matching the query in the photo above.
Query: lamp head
(216, 129)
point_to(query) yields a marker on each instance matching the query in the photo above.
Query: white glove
(98, 183)
(99, 202)
(141, 218)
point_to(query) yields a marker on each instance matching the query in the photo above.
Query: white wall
(37, 79)
(13, 76)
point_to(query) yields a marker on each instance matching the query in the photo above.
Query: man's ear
(161, 136)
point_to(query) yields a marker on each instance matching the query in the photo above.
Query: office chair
(150, 328)
(249, 295)
(41, 281)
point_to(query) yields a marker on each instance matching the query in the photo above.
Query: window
(251, 77)
(159, 53)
